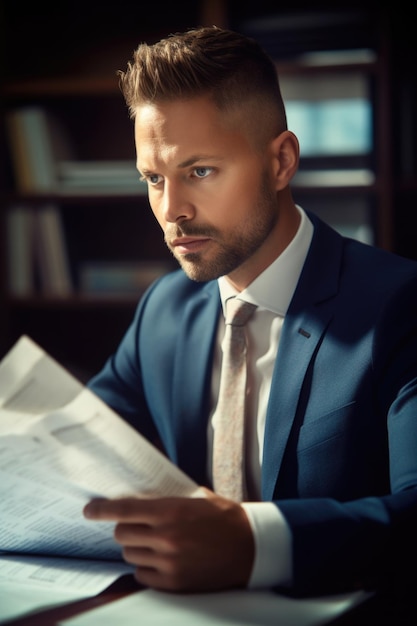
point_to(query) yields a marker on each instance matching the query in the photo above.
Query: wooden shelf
(62, 87)
(77, 199)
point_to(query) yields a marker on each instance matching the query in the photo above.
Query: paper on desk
(60, 445)
(232, 608)
(34, 583)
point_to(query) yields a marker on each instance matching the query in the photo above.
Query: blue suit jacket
(340, 452)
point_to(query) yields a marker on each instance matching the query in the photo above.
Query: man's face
(212, 193)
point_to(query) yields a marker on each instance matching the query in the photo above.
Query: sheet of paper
(59, 450)
(234, 608)
(31, 382)
(34, 583)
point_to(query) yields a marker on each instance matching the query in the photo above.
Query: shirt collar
(273, 289)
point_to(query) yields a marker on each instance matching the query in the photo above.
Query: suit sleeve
(119, 383)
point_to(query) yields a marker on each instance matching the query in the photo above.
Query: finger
(151, 511)
(144, 557)
(154, 579)
(156, 572)
(138, 535)
(164, 542)
(100, 509)
(120, 509)
(153, 569)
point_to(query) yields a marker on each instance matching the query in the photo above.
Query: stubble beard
(234, 248)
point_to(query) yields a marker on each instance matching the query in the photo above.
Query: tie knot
(238, 312)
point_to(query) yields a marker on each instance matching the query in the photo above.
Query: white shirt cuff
(273, 545)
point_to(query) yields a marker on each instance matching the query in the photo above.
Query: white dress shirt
(272, 292)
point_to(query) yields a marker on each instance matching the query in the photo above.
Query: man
(331, 430)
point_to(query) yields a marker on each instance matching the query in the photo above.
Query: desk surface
(50, 617)
(384, 609)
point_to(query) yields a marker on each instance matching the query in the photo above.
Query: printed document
(60, 445)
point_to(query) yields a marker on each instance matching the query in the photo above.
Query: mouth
(185, 245)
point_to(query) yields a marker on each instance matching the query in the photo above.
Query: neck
(280, 237)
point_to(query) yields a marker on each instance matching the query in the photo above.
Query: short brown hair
(229, 67)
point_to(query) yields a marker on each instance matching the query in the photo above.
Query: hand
(181, 544)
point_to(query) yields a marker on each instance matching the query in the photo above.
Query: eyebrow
(197, 157)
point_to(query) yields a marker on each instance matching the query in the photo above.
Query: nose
(176, 203)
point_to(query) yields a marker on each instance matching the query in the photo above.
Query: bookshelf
(84, 191)
(371, 196)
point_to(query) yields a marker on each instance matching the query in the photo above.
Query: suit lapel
(305, 324)
(190, 405)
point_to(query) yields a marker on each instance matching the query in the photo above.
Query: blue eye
(202, 172)
(152, 179)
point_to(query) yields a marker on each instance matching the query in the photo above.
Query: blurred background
(78, 243)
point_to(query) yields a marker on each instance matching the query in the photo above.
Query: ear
(286, 157)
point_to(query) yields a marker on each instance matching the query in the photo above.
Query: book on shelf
(334, 178)
(51, 252)
(44, 160)
(20, 248)
(82, 175)
(37, 255)
(31, 150)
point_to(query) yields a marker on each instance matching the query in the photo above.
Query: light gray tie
(229, 416)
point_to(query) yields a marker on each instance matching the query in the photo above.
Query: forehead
(182, 126)
(167, 120)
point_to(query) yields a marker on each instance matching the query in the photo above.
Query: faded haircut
(230, 68)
